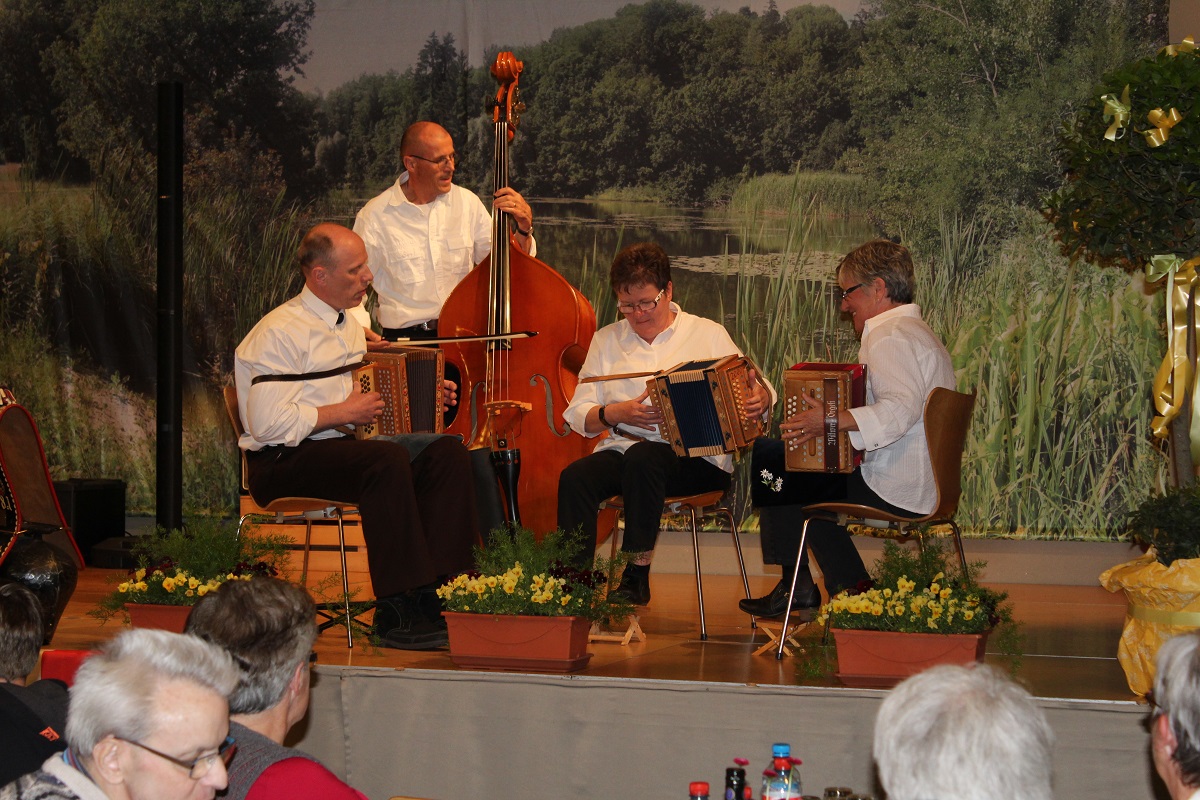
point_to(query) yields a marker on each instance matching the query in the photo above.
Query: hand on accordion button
(637, 413)
(758, 399)
(804, 425)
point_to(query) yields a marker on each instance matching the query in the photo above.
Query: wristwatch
(604, 421)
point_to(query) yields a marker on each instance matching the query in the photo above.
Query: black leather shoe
(431, 606)
(401, 624)
(775, 603)
(635, 586)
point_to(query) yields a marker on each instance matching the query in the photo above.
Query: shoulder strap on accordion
(307, 376)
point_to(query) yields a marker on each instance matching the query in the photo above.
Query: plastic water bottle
(698, 790)
(781, 779)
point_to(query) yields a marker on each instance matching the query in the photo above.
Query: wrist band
(604, 421)
(527, 233)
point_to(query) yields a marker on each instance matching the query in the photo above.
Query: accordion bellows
(410, 381)
(702, 403)
(836, 387)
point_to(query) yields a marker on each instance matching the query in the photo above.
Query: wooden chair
(697, 507)
(300, 511)
(947, 417)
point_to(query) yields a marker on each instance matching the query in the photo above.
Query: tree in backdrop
(28, 125)
(91, 67)
(957, 101)
(362, 121)
(1132, 200)
(661, 97)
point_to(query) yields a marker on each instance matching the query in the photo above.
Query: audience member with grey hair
(268, 626)
(33, 717)
(148, 720)
(1175, 723)
(962, 733)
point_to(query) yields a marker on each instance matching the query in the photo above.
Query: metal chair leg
(737, 546)
(787, 614)
(962, 555)
(345, 578)
(699, 577)
(307, 547)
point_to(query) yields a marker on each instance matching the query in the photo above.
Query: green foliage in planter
(1128, 199)
(180, 567)
(1170, 523)
(904, 575)
(517, 574)
(917, 591)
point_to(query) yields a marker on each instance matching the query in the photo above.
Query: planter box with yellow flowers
(919, 613)
(526, 607)
(177, 569)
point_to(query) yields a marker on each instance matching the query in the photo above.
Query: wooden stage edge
(1071, 635)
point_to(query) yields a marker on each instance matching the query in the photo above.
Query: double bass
(513, 391)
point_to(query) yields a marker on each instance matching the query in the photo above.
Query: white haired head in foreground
(962, 733)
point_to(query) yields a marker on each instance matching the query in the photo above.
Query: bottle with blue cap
(781, 778)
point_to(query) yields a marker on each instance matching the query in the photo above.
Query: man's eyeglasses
(198, 767)
(847, 292)
(641, 305)
(444, 161)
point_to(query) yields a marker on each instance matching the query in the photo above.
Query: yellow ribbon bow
(1188, 45)
(1175, 376)
(1162, 123)
(1118, 110)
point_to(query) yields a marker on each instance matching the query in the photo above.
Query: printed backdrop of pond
(576, 236)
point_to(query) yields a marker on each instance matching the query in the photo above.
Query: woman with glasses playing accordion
(634, 460)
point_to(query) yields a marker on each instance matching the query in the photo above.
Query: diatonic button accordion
(703, 406)
(836, 387)
(410, 381)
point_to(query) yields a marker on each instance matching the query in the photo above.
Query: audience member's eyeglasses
(641, 305)
(444, 161)
(198, 767)
(847, 292)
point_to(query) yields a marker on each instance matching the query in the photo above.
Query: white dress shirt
(302, 335)
(419, 253)
(617, 349)
(905, 362)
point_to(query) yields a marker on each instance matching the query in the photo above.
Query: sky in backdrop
(350, 38)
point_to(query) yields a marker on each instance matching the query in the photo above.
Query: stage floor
(1071, 635)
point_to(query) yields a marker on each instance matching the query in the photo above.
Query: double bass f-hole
(534, 380)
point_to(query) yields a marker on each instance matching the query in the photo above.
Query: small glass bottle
(698, 790)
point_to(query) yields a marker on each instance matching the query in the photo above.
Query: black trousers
(786, 493)
(419, 518)
(644, 475)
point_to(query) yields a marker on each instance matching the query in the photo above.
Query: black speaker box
(94, 508)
